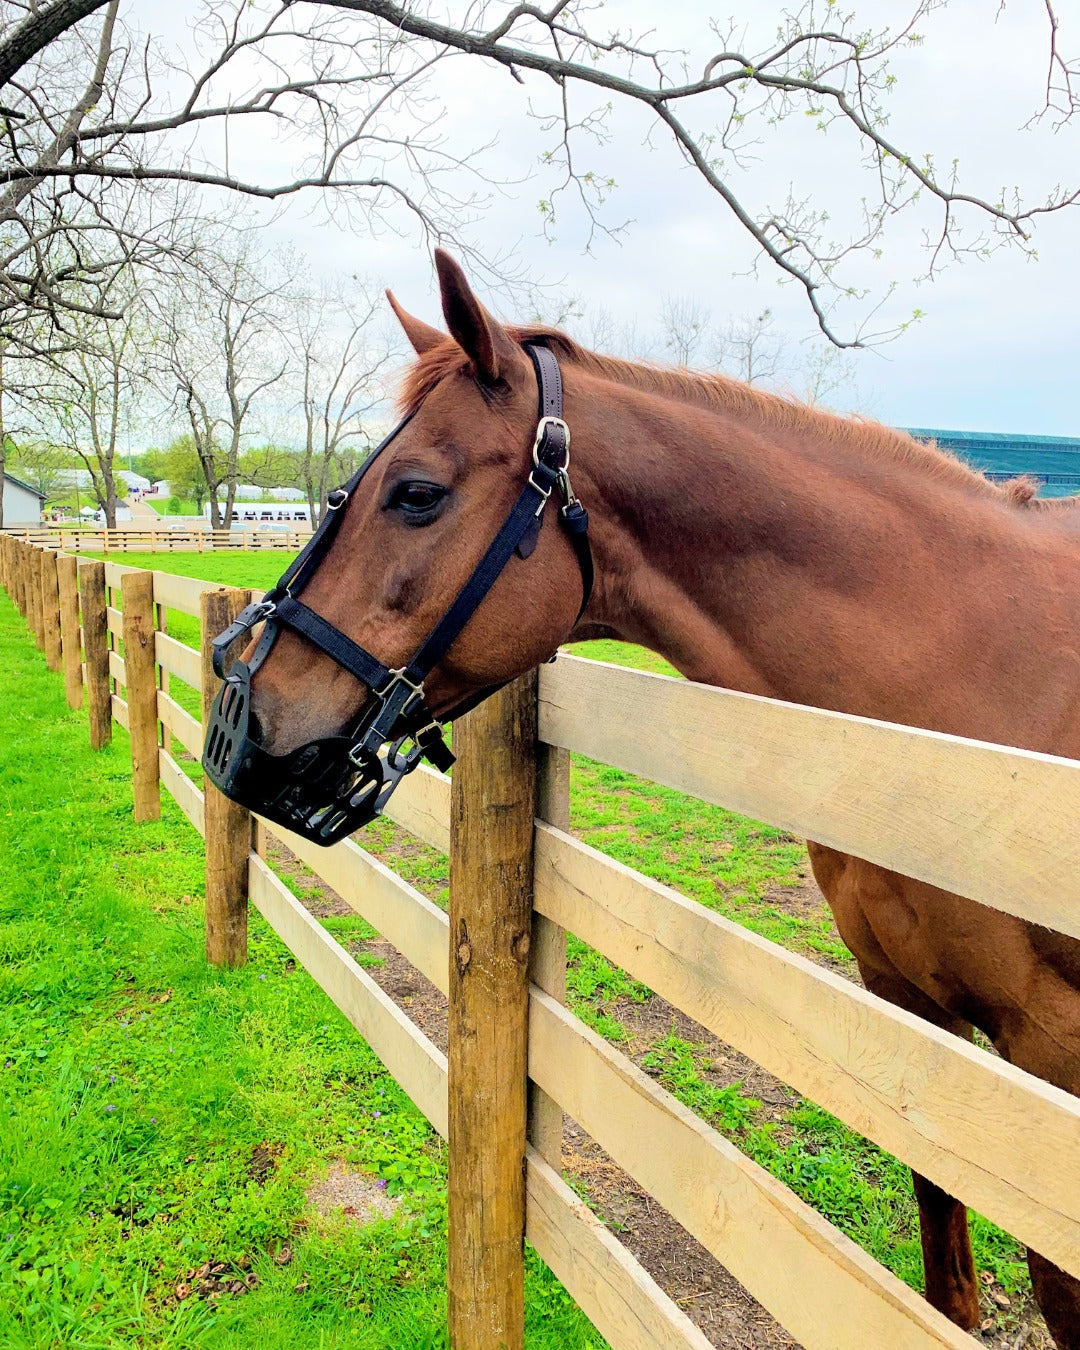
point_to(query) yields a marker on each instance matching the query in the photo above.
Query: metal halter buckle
(541, 431)
(342, 497)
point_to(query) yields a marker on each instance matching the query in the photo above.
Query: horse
(760, 545)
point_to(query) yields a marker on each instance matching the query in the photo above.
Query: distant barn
(1053, 460)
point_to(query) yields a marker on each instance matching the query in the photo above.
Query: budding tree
(346, 90)
(219, 353)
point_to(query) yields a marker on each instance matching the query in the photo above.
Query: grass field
(159, 1115)
(317, 1095)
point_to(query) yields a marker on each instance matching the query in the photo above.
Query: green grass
(137, 1083)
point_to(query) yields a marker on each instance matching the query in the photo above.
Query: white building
(22, 503)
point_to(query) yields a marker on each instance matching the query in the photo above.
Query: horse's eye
(416, 499)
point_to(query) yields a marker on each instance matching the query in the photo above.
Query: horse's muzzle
(323, 790)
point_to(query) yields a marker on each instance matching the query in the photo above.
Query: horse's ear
(483, 339)
(422, 336)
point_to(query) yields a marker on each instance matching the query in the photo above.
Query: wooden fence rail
(895, 794)
(160, 539)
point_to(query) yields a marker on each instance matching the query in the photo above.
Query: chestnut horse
(766, 547)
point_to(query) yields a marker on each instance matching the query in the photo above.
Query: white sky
(999, 346)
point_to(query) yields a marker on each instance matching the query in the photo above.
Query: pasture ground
(751, 873)
(162, 1121)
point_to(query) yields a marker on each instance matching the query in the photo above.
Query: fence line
(950, 1110)
(895, 795)
(160, 539)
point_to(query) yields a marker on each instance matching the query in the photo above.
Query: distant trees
(340, 360)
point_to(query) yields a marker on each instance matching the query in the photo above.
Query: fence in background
(519, 881)
(160, 539)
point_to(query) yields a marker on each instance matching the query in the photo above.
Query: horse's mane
(736, 398)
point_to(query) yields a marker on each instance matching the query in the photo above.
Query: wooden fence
(518, 1058)
(160, 538)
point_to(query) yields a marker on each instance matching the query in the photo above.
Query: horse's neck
(763, 563)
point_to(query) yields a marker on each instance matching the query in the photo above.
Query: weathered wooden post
(26, 557)
(33, 580)
(19, 575)
(493, 802)
(137, 589)
(548, 953)
(228, 826)
(96, 645)
(50, 610)
(11, 565)
(67, 580)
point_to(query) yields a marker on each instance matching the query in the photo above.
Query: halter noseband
(328, 788)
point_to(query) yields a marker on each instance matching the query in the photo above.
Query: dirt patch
(358, 1195)
(709, 1295)
(264, 1158)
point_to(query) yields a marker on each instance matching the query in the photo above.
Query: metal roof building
(1053, 460)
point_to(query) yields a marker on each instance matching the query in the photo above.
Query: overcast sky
(999, 346)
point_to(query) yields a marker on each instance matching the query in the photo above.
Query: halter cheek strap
(399, 708)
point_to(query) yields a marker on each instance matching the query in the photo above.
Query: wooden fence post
(67, 580)
(50, 610)
(33, 595)
(19, 573)
(548, 952)
(96, 644)
(14, 585)
(493, 802)
(137, 589)
(228, 826)
(26, 557)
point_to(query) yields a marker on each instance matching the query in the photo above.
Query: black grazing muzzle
(330, 787)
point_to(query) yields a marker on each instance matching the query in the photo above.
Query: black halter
(328, 788)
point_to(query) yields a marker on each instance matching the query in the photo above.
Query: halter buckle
(342, 497)
(545, 425)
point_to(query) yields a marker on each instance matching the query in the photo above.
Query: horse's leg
(1045, 1040)
(948, 1263)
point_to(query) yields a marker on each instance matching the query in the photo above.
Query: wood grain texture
(178, 659)
(96, 648)
(951, 1111)
(184, 792)
(616, 1293)
(547, 955)
(406, 1052)
(35, 618)
(994, 824)
(117, 669)
(228, 826)
(180, 723)
(118, 710)
(140, 669)
(50, 610)
(823, 1288)
(67, 580)
(493, 803)
(421, 805)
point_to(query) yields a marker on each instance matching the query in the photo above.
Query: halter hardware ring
(542, 428)
(342, 497)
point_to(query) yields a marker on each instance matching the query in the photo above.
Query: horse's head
(429, 583)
